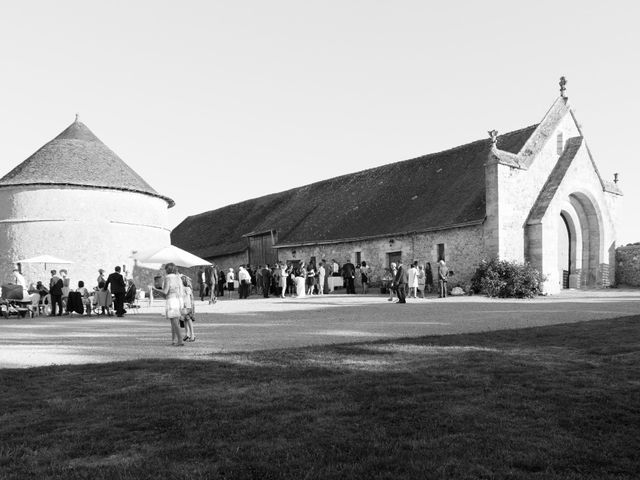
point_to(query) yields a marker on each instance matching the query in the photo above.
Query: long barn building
(534, 194)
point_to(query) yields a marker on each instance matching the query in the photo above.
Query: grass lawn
(545, 403)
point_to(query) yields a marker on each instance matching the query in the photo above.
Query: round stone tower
(77, 200)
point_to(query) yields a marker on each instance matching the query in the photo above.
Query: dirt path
(257, 323)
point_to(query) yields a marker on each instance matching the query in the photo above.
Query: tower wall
(94, 228)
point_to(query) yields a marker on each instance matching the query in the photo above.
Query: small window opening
(560, 144)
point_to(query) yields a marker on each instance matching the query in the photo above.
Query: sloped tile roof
(77, 157)
(434, 191)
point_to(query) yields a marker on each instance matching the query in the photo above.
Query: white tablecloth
(335, 282)
(300, 287)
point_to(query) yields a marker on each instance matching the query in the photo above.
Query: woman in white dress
(173, 290)
(283, 280)
(301, 277)
(413, 280)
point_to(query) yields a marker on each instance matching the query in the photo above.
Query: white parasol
(172, 254)
(45, 259)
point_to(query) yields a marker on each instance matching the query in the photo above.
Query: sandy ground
(258, 324)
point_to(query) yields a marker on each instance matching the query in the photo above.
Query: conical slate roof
(77, 157)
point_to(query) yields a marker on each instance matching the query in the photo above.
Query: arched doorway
(583, 220)
(565, 263)
(565, 243)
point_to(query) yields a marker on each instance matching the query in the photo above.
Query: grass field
(542, 403)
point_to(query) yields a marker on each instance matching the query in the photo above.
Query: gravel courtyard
(260, 324)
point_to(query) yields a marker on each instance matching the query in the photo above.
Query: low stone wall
(628, 265)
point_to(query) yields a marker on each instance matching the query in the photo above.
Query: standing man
(118, 289)
(400, 282)
(213, 284)
(349, 274)
(443, 273)
(55, 290)
(266, 280)
(245, 282)
(258, 275)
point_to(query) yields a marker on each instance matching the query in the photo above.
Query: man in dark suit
(400, 282)
(349, 275)
(118, 289)
(55, 290)
(266, 280)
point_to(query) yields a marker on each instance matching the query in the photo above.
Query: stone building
(77, 200)
(534, 194)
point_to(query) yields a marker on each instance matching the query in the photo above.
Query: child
(188, 317)
(103, 299)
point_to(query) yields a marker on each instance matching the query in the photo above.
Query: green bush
(505, 279)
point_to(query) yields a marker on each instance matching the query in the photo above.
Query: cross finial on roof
(77, 117)
(563, 82)
(493, 134)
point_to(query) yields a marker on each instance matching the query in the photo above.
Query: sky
(215, 102)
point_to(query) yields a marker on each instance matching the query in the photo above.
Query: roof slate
(77, 157)
(434, 191)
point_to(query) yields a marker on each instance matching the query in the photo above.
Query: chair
(131, 299)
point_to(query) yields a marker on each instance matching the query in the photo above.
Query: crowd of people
(294, 279)
(282, 279)
(415, 281)
(300, 279)
(59, 298)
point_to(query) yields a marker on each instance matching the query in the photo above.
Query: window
(358, 257)
(560, 144)
(441, 252)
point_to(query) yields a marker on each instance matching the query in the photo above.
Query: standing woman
(393, 270)
(213, 284)
(231, 277)
(421, 280)
(357, 278)
(173, 290)
(188, 310)
(428, 278)
(222, 278)
(284, 277)
(311, 279)
(413, 280)
(365, 271)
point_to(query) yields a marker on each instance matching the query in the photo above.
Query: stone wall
(93, 228)
(523, 216)
(628, 265)
(464, 249)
